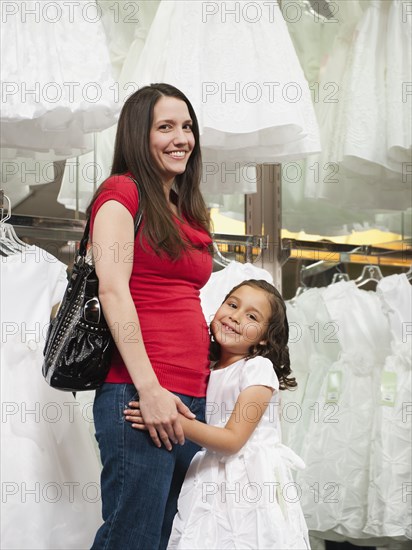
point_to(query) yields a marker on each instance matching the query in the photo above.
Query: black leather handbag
(79, 343)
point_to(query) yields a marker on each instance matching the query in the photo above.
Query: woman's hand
(160, 410)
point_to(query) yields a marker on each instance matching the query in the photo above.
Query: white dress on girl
(248, 499)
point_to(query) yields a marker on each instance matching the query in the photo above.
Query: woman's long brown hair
(132, 154)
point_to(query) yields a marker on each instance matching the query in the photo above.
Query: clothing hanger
(9, 241)
(337, 277)
(302, 285)
(322, 8)
(218, 257)
(300, 290)
(369, 273)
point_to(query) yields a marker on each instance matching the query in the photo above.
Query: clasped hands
(133, 414)
(159, 418)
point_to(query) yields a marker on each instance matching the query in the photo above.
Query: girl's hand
(160, 410)
(134, 415)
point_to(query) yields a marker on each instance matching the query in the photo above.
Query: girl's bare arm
(249, 408)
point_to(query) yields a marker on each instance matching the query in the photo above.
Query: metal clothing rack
(327, 255)
(262, 243)
(52, 229)
(246, 248)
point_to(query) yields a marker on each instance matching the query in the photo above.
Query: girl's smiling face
(241, 322)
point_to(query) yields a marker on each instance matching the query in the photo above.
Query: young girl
(238, 491)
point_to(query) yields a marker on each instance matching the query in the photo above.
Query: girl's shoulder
(258, 371)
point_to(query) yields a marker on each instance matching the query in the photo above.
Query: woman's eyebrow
(170, 121)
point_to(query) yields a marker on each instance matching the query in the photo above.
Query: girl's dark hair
(277, 335)
(132, 154)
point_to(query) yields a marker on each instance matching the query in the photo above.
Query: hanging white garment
(119, 22)
(377, 128)
(337, 448)
(300, 346)
(127, 24)
(239, 68)
(314, 346)
(83, 174)
(364, 144)
(50, 472)
(291, 400)
(320, 194)
(314, 39)
(221, 282)
(389, 511)
(49, 106)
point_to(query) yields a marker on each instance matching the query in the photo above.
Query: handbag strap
(137, 221)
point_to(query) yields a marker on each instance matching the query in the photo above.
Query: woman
(149, 290)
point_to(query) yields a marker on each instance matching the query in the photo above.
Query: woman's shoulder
(121, 188)
(120, 182)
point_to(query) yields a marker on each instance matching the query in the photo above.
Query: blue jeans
(140, 483)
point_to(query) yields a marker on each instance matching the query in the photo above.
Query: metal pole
(264, 217)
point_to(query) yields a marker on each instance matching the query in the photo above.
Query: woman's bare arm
(113, 245)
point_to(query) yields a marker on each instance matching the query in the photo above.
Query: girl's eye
(188, 127)
(231, 304)
(253, 317)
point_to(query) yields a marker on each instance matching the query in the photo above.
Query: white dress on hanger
(337, 446)
(300, 346)
(58, 77)
(363, 84)
(126, 37)
(389, 510)
(240, 71)
(319, 347)
(50, 471)
(377, 112)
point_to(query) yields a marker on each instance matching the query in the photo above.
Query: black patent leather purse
(79, 343)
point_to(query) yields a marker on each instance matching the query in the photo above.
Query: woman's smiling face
(171, 137)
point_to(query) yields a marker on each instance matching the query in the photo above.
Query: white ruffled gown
(389, 510)
(50, 471)
(337, 447)
(242, 75)
(59, 78)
